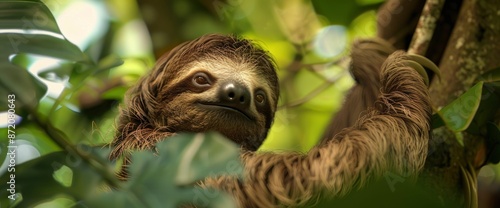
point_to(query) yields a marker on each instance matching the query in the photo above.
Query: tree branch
(425, 28)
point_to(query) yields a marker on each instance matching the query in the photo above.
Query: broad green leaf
(458, 115)
(482, 115)
(40, 44)
(26, 14)
(29, 27)
(472, 112)
(169, 180)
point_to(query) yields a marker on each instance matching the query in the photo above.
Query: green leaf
(466, 105)
(436, 121)
(27, 89)
(458, 115)
(45, 45)
(29, 27)
(490, 98)
(491, 76)
(168, 180)
(493, 143)
(474, 111)
(26, 14)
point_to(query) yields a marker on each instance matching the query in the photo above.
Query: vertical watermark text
(12, 147)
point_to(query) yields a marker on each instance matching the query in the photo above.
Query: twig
(314, 93)
(425, 28)
(308, 97)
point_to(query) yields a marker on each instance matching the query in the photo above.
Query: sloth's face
(231, 98)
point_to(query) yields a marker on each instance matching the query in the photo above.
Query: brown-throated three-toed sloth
(227, 84)
(216, 82)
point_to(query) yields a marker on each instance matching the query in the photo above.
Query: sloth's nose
(235, 95)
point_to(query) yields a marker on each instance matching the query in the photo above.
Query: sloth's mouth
(243, 113)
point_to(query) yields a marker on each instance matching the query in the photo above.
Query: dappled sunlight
(4, 119)
(133, 40)
(55, 84)
(330, 41)
(82, 22)
(24, 151)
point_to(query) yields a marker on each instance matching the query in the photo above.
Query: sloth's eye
(259, 98)
(201, 79)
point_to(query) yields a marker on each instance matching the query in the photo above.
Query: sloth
(229, 85)
(213, 83)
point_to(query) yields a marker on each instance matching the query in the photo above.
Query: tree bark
(473, 48)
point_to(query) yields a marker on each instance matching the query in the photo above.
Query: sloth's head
(214, 83)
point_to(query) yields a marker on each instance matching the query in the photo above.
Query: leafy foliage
(458, 115)
(164, 180)
(168, 180)
(29, 27)
(474, 112)
(35, 180)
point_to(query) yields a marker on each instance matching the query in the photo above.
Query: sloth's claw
(425, 62)
(415, 65)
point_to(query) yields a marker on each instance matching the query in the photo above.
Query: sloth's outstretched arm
(392, 136)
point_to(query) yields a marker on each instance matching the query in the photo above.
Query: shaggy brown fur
(367, 56)
(392, 136)
(169, 100)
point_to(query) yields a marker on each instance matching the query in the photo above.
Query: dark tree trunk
(465, 44)
(473, 48)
